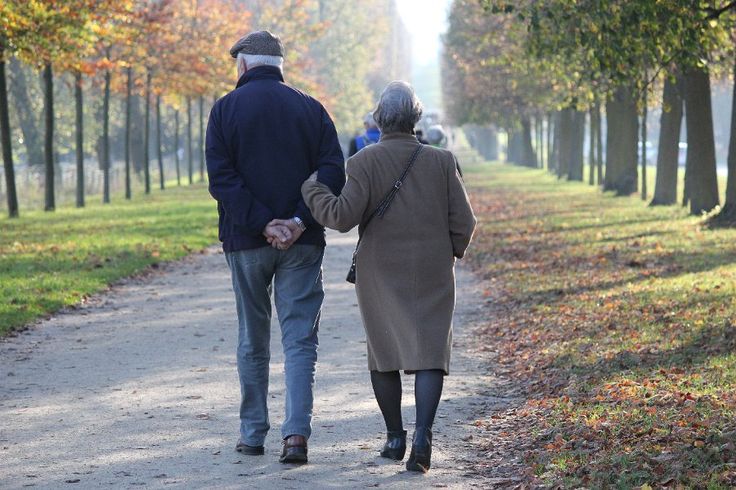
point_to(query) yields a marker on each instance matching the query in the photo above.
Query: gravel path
(138, 387)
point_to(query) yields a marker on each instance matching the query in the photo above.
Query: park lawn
(52, 260)
(619, 320)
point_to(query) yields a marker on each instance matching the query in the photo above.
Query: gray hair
(253, 60)
(398, 109)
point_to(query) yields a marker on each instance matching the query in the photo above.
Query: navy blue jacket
(264, 139)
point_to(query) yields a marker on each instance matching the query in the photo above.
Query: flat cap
(259, 42)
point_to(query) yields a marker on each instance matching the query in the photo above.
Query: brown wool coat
(405, 278)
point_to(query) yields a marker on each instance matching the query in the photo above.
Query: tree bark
(128, 104)
(176, 147)
(48, 83)
(106, 140)
(702, 179)
(79, 122)
(591, 147)
(136, 134)
(565, 148)
(5, 139)
(26, 117)
(599, 145)
(728, 213)
(554, 158)
(158, 142)
(147, 135)
(549, 141)
(190, 160)
(622, 137)
(528, 157)
(644, 148)
(201, 138)
(665, 185)
(577, 163)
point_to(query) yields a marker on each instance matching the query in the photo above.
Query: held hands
(282, 233)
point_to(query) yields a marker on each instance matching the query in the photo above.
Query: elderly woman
(405, 261)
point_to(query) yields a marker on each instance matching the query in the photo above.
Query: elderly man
(372, 135)
(264, 139)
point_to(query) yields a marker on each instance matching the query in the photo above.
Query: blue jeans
(295, 276)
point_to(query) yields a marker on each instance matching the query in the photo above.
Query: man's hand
(278, 235)
(289, 225)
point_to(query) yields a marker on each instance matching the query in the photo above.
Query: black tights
(427, 392)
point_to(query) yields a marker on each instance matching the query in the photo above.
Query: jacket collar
(398, 136)
(261, 73)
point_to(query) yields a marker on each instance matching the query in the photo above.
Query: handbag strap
(386, 201)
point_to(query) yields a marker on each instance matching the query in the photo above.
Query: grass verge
(52, 260)
(620, 322)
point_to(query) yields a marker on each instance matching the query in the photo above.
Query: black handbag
(382, 208)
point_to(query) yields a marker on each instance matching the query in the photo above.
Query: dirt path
(139, 388)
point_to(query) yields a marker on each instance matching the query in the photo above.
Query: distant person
(436, 136)
(405, 278)
(419, 133)
(371, 135)
(264, 139)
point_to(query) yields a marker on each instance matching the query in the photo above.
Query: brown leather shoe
(295, 450)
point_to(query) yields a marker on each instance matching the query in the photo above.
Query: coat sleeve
(227, 186)
(330, 165)
(341, 212)
(461, 218)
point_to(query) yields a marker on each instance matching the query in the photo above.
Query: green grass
(52, 260)
(623, 320)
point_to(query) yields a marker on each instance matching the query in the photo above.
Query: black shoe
(295, 450)
(395, 446)
(243, 448)
(421, 450)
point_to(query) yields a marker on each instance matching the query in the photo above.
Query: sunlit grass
(625, 315)
(51, 260)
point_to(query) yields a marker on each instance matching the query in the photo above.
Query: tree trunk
(565, 148)
(591, 147)
(528, 157)
(48, 83)
(147, 134)
(128, 104)
(538, 131)
(158, 142)
(549, 141)
(106, 140)
(201, 138)
(136, 134)
(79, 122)
(190, 160)
(701, 152)
(728, 213)
(26, 117)
(644, 149)
(665, 186)
(577, 143)
(176, 147)
(622, 138)
(599, 141)
(554, 156)
(5, 139)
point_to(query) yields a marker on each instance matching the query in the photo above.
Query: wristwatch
(299, 223)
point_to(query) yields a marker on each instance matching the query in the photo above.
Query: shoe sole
(250, 451)
(413, 466)
(395, 455)
(294, 459)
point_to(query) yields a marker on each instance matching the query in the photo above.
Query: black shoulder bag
(382, 208)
